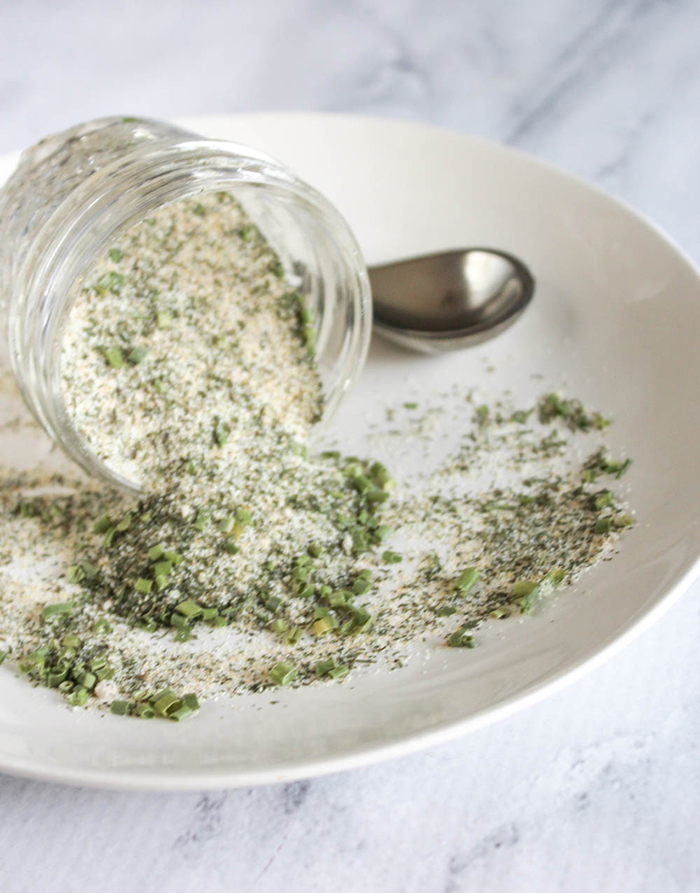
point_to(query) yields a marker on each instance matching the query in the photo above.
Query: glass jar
(74, 192)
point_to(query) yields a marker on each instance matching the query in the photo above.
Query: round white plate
(615, 321)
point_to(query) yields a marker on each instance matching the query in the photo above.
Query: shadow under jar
(74, 192)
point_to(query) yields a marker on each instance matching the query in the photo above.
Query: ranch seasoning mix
(244, 562)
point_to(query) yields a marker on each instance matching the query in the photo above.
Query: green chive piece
(3, 655)
(623, 520)
(184, 634)
(181, 713)
(156, 552)
(102, 524)
(294, 635)
(361, 585)
(78, 696)
(315, 550)
(102, 627)
(148, 625)
(410, 406)
(56, 608)
(90, 570)
(362, 483)
(603, 525)
(283, 673)
(115, 357)
(279, 625)
(222, 431)
(323, 667)
(72, 641)
(116, 254)
(337, 599)
(202, 520)
(339, 672)
(111, 281)
(109, 537)
(179, 620)
(323, 625)
(383, 532)
(143, 585)
(175, 557)
(189, 608)
(162, 568)
(162, 582)
(145, 711)
(166, 702)
(603, 500)
(88, 680)
(526, 593)
(243, 516)
(120, 708)
(382, 477)
(191, 700)
(330, 454)
(556, 576)
(499, 613)
(623, 469)
(462, 638)
(392, 557)
(301, 573)
(274, 603)
(305, 590)
(75, 573)
(467, 580)
(66, 686)
(137, 354)
(230, 547)
(124, 524)
(164, 320)
(55, 678)
(219, 621)
(376, 497)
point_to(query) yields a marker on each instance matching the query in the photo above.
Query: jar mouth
(318, 251)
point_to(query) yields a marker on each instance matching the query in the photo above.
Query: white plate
(616, 321)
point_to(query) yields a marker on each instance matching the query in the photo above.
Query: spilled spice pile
(245, 562)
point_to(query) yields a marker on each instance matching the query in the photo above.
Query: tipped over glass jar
(73, 193)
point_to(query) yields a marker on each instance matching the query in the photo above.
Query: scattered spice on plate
(245, 562)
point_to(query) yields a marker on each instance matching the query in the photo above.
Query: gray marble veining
(596, 789)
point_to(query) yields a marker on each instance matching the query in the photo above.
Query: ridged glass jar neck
(97, 183)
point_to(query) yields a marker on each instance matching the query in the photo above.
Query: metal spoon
(451, 300)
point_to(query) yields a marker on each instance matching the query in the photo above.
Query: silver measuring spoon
(451, 300)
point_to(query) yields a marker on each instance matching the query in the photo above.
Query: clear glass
(74, 192)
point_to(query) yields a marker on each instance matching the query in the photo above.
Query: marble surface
(597, 788)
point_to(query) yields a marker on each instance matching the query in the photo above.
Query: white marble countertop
(597, 788)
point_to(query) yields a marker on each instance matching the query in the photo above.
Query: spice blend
(245, 562)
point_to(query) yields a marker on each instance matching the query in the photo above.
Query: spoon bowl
(450, 300)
